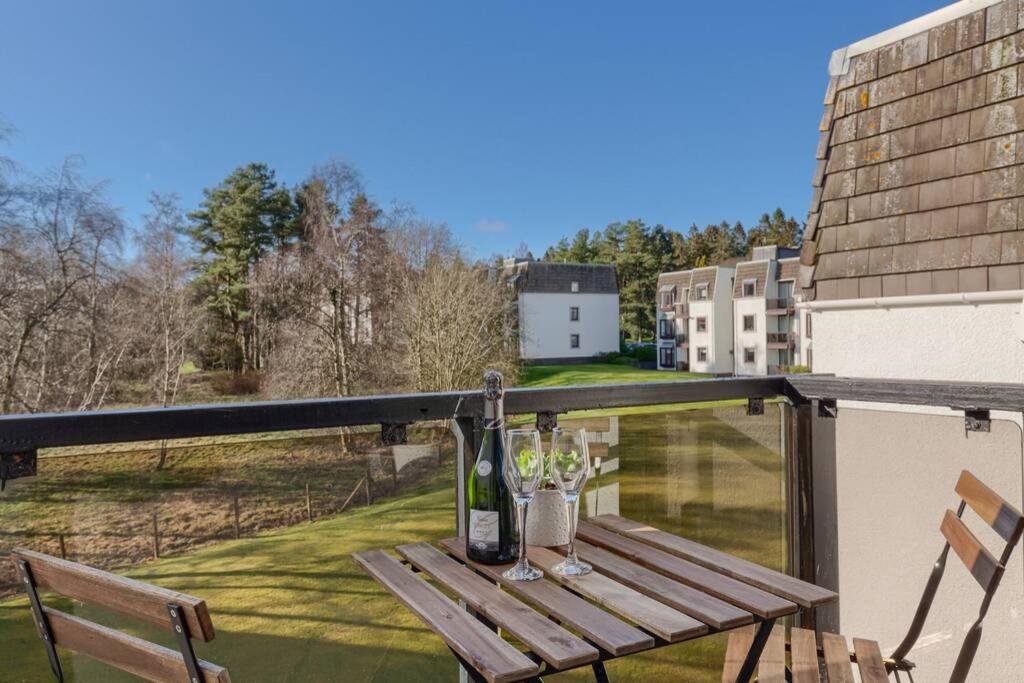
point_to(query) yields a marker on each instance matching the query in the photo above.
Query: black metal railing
(786, 305)
(788, 338)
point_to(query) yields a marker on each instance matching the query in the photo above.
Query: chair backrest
(185, 616)
(986, 568)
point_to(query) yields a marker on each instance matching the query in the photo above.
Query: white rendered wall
(976, 343)
(544, 325)
(703, 309)
(755, 339)
(723, 321)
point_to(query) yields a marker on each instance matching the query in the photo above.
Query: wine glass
(569, 464)
(524, 467)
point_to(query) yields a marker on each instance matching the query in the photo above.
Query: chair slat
(127, 653)
(771, 668)
(837, 658)
(869, 661)
(119, 594)
(604, 629)
(750, 598)
(555, 645)
(649, 614)
(804, 654)
(484, 649)
(975, 556)
(698, 604)
(1007, 520)
(803, 593)
(735, 652)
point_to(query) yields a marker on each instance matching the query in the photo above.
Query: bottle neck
(494, 413)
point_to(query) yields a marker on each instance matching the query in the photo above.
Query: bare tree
(166, 311)
(457, 324)
(60, 293)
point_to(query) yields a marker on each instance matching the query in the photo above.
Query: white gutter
(963, 298)
(840, 62)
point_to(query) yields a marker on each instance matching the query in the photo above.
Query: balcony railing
(213, 476)
(781, 340)
(780, 306)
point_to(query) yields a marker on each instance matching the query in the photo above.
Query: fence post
(309, 505)
(156, 537)
(238, 525)
(369, 496)
(63, 548)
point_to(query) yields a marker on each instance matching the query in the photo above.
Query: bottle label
(483, 468)
(483, 528)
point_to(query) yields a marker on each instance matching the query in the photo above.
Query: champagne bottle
(491, 536)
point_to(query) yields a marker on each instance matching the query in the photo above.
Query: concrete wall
(975, 343)
(544, 325)
(895, 473)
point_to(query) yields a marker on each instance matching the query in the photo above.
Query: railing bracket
(755, 406)
(393, 433)
(827, 408)
(17, 465)
(977, 421)
(546, 421)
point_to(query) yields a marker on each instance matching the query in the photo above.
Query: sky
(509, 121)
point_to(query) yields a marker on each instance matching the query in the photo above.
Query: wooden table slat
(496, 660)
(661, 620)
(803, 593)
(698, 604)
(751, 598)
(804, 654)
(554, 644)
(605, 630)
(771, 668)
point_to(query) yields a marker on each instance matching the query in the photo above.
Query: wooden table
(648, 589)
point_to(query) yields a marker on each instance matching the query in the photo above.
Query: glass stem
(521, 518)
(570, 506)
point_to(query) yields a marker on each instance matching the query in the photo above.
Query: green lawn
(595, 373)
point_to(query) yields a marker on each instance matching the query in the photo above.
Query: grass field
(595, 373)
(289, 605)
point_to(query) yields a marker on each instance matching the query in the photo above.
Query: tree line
(314, 290)
(641, 252)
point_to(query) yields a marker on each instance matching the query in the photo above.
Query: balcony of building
(782, 340)
(779, 307)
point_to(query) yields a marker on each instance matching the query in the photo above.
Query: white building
(567, 312)
(694, 319)
(766, 329)
(913, 268)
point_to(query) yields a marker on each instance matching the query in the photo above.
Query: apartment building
(694, 319)
(767, 330)
(567, 312)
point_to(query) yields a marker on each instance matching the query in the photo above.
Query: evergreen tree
(238, 221)
(777, 228)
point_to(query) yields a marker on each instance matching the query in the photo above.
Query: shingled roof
(552, 277)
(919, 180)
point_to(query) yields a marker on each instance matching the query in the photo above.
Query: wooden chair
(804, 651)
(184, 615)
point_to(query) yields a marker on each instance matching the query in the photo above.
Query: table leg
(754, 653)
(600, 675)
(471, 673)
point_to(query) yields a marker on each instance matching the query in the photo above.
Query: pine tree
(238, 221)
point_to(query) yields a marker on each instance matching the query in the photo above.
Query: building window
(810, 361)
(667, 357)
(702, 354)
(807, 325)
(574, 313)
(749, 287)
(702, 324)
(748, 323)
(575, 287)
(574, 341)
(668, 298)
(665, 328)
(748, 355)
(702, 293)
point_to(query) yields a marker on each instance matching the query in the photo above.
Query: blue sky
(510, 121)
